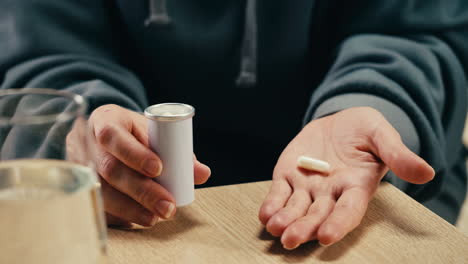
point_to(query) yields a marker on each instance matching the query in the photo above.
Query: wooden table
(222, 227)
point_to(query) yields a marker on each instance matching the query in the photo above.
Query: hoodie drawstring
(248, 64)
(158, 13)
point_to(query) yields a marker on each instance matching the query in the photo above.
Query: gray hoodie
(258, 70)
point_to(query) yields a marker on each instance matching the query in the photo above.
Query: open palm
(361, 146)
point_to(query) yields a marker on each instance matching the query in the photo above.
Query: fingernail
(165, 208)
(152, 167)
(291, 248)
(324, 245)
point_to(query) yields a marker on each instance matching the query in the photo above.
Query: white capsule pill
(309, 163)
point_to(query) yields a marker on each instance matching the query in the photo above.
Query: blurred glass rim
(81, 106)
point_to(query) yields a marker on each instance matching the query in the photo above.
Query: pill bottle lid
(170, 112)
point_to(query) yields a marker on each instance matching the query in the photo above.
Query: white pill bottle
(171, 138)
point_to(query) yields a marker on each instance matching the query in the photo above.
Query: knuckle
(104, 134)
(144, 194)
(107, 167)
(131, 156)
(96, 113)
(104, 108)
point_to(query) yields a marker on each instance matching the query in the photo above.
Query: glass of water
(50, 202)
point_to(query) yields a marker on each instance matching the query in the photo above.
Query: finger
(138, 187)
(76, 146)
(123, 207)
(140, 128)
(346, 215)
(305, 228)
(70, 146)
(124, 146)
(402, 161)
(295, 208)
(201, 172)
(114, 221)
(275, 200)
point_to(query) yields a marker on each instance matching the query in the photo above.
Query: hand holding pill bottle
(127, 167)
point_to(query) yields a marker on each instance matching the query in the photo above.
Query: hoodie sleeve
(63, 45)
(407, 59)
(66, 45)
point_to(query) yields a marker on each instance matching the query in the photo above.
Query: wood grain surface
(222, 227)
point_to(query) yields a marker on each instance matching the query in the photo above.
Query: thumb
(201, 171)
(403, 162)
